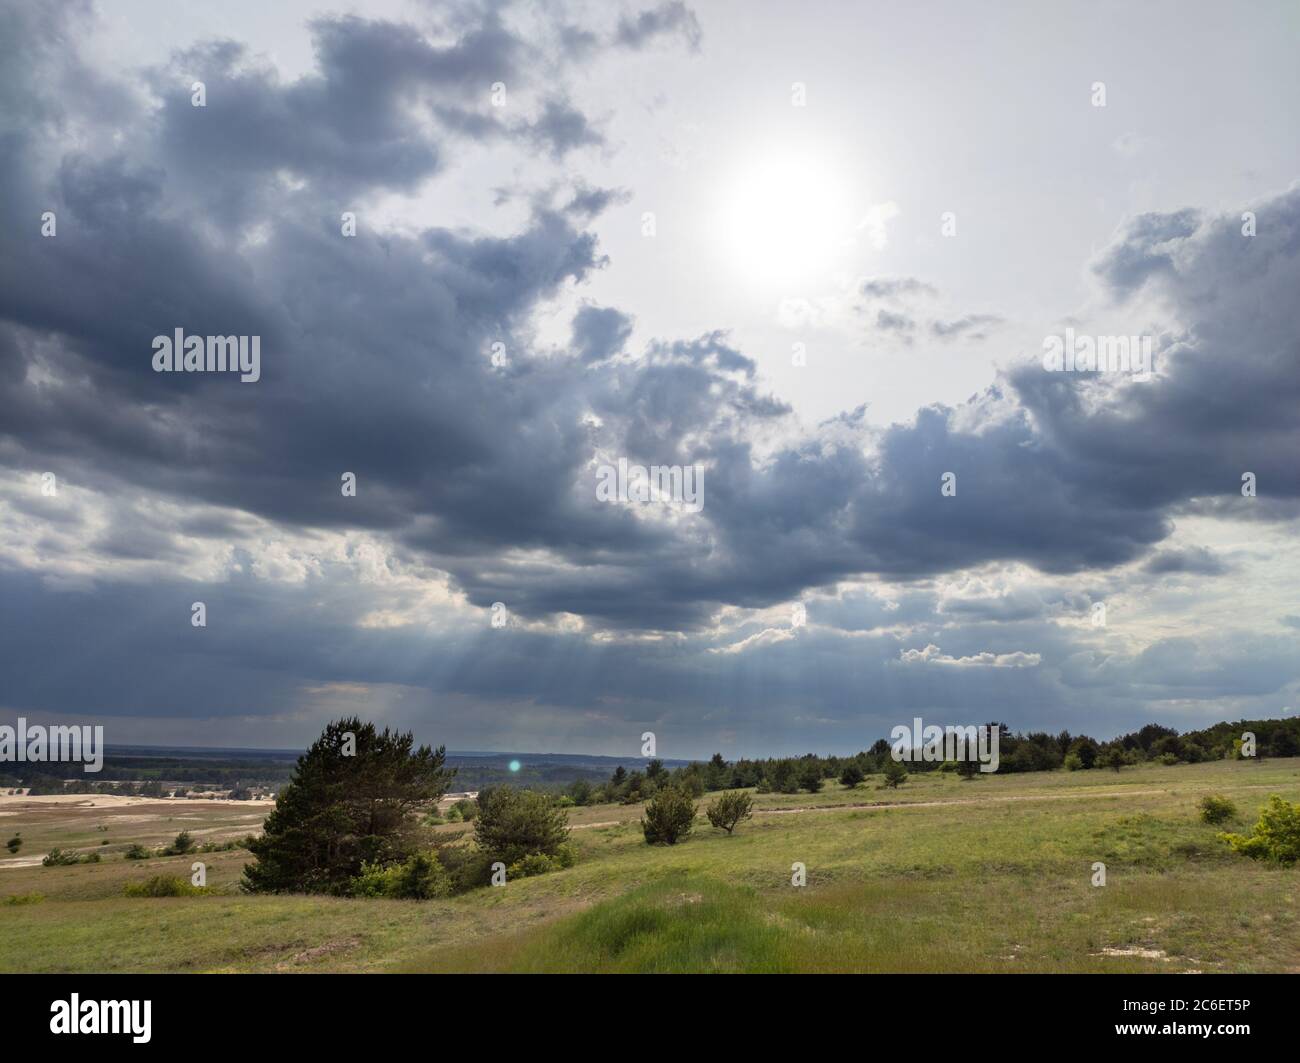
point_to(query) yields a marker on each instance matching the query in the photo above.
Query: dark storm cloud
(273, 651)
(377, 360)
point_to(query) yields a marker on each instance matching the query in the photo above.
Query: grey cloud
(1197, 560)
(600, 332)
(973, 326)
(588, 202)
(889, 321)
(1144, 249)
(560, 129)
(893, 287)
(673, 18)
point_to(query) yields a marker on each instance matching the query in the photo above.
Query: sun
(784, 218)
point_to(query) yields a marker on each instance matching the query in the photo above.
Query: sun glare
(784, 219)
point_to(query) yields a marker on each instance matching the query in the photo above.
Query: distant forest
(588, 780)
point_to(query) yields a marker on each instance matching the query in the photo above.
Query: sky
(814, 252)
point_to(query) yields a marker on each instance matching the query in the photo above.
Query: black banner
(143, 1012)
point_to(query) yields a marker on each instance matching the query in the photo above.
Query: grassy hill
(942, 875)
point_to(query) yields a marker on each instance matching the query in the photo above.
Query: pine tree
(354, 799)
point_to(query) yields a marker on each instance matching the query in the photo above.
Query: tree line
(1017, 752)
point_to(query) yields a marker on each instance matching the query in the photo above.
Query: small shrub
(1215, 808)
(514, 823)
(1275, 836)
(163, 886)
(1112, 758)
(183, 844)
(138, 852)
(537, 864)
(669, 817)
(810, 778)
(532, 864)
(728, 810)
(420, 878)
(468, 868)
(64, 857)
(851, 776)
(1073, 762)
(221, 847)
(14, 844)
(895, 774)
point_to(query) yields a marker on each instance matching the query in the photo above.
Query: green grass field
(942, 875)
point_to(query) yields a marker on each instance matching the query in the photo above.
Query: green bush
(728, 810)
(537, 864)
(513, 824)
(468, 868)
(895, 773)
(1276, 836)
(420, 877)
(138, 852)
(532, 864)
(14, 844)
(1113, 757)
(64, 857)
(1073, 762)
(183, 844)
(163, 886)
(669, 817)
(1215, 808)
(222, 847)
(851, 776)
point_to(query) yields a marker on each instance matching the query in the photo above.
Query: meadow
(992, 874)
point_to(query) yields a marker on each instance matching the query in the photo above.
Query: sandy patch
(1135, 950)
(307, 955)
(22, 861)
(121, 801)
